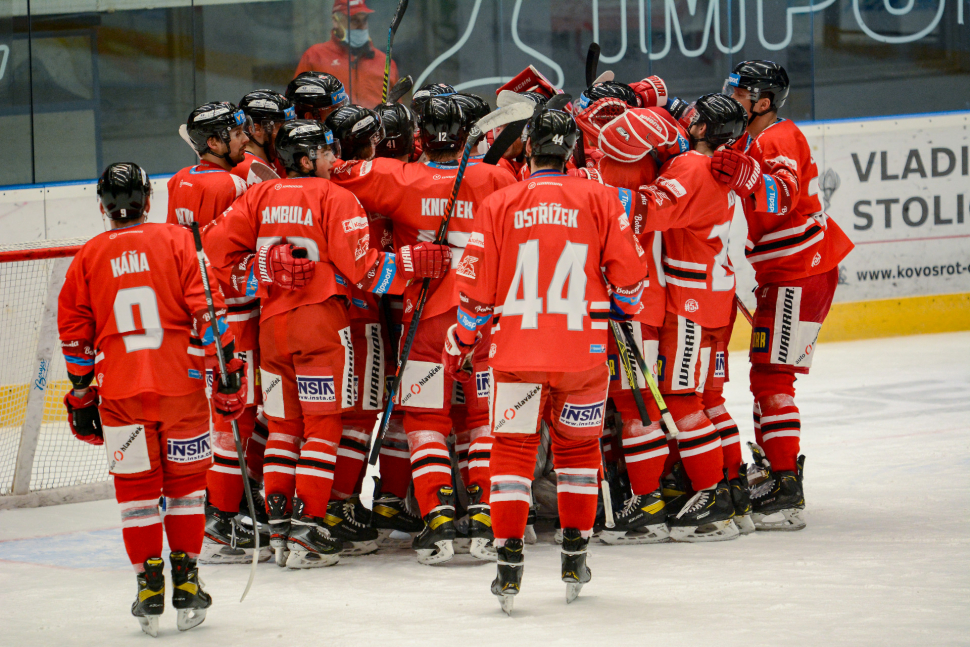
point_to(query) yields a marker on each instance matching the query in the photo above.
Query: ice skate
(675, 489)
(309, 541)
(344, 525)
(150, 599)
(782, 505)
(435, 543)
(258, 502)
(642, 520)
(279, 527)
(741, 498)
(187, 595)
(575, 572)
(530, 526)
(227, 541)
(508, 581)
(480, 526)
(395, 526)
(707, 516)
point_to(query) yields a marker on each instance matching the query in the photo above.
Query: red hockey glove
(632, 135)
(652, 91)
(737, 170)
(599, 113)
(229, 399)
(424, 260)
(284, 265)
(586, 173)
(457, 356)
(83, 416)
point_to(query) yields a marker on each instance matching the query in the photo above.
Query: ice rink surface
(885, 559)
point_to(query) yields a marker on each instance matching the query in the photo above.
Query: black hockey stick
(402, 6)
(631, 375)
(224, 378)
(514, 130)
(402, 87)
(592, 62)
(651, 382)
(494, 119)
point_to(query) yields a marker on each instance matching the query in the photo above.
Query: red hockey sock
(462, 441)
(430, 460)
(141, 523)
(395, 460)
(756, 415)
(318, 457)
(282, 453)
(185, 512)
(224, 479)
(780, 420)
(698, 441)
(513, 459)
(727, 429)
(256, 448)
(479, 457)
(351, 459)
(645, 450)
(577, 481)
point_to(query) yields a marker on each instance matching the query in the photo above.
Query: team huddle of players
(318, 224)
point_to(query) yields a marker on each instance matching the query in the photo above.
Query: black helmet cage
(124, 190)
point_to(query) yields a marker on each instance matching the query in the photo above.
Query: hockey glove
(457, 356)
(739, 171)
(424, 261)
(83, 416)
(229, 399)
(599, 113)
(284, 265)
(632, 135)
(652, 92)
(586, 173)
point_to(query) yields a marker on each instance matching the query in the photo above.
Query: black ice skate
(642, 520)
(344, 524)
(676, 489)
(741, 498)
(187, 595)
(530, 525)
(279, 527)
(150, 600)
(780, 506)
(258, 502)
(390, 517)
(575, 572)
(480, 526)
(227, 541)
(309, 541)
(707, 516)
(507, 583)
(435, 543)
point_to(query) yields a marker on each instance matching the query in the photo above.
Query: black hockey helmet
(216, 119)
(427, 91)
(318, 93)
(303, 138)
(472, 106)
(539, 98)
(608, 89)
(443, 124)
(761, 79)
(725, 117)
(266, 108)
(355, 126)
(399, 125)
(124, 190)
(551, 132)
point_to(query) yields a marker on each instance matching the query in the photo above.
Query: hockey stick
(507, 98)
(402, 6)
(651, 382)
(494, 119)
(631, 375)
(402, 87)
(743, 309)
(514, 130)
(224, 377)
(592, 62)
(605, 76)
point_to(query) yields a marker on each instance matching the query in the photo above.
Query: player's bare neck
(759, 124)
(217, 161)
(257, 151)
(704, 149)
(121, 224)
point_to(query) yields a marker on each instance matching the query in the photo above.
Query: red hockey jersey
(789, 235)
(694, 212)
(128, 306)
(414, 196)
(536, 256)
(308, 212)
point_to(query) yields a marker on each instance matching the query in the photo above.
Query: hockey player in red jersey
(795, 250)
(133, 313)
(296, 243)
(266, 111)
(198, 194)
(695, 216)
(413, 196)
(534, 264)
(316, 94)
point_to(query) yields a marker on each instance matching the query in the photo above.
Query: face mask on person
(357, 37)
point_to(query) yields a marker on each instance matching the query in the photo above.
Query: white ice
(885, 559)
